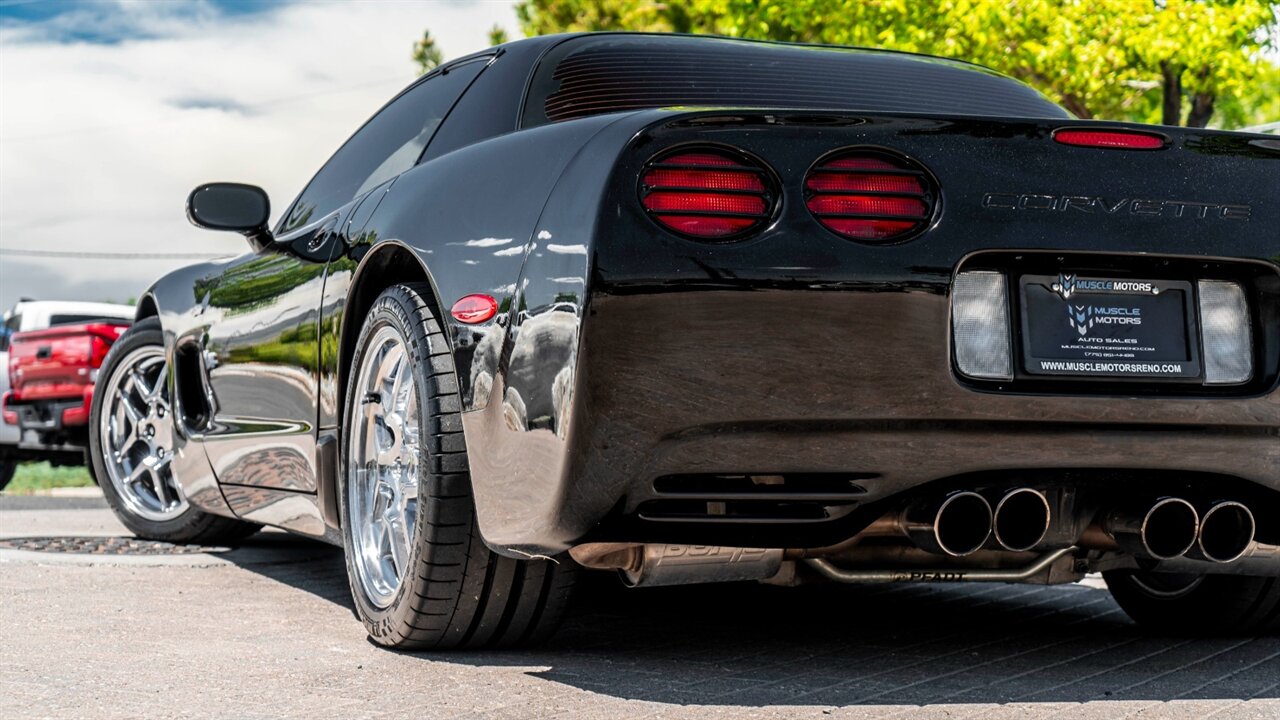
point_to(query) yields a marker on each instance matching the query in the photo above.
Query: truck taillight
(101, 337)
(708, 193)
(870, 195)
(98, 349)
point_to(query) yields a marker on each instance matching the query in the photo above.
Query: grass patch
(36, 476)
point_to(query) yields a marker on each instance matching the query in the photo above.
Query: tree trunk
(1172, 106)
(1201, 103)
(1077, 108)
(1201, 110)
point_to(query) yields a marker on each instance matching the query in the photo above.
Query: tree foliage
(1170, 61)
(426, 54)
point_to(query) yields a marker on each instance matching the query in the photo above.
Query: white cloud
(101, 142)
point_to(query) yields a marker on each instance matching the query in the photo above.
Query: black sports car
(695, 309)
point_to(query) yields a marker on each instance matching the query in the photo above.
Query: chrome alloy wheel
(382, 481)
(136, 429)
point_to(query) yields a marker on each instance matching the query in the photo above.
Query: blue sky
(95, 21)
(110, 112)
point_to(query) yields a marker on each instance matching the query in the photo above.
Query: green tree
(426, 54)
(497, 35)
(1171, 61)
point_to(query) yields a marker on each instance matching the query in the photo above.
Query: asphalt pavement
(267, 630)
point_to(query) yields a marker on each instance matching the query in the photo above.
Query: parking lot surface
(267, 631)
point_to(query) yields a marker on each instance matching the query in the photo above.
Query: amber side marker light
(474, 309)
(1116, 139)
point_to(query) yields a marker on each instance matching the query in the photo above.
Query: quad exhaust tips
(1166, 530)
(1021, 519)
(1226, 532)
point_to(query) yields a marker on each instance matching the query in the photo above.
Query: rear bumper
(802, 381)
(49, 415)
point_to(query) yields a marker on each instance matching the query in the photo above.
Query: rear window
(592, 75)
(7, 330)
(56, 320)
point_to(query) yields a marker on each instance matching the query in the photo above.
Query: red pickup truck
(51, 377)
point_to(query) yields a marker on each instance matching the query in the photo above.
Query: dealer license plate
(1108, 327)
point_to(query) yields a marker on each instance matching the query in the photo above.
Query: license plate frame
(1109, 328)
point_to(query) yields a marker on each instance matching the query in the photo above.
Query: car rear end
(875, 346)
(863, 341)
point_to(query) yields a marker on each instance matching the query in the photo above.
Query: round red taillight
(870, 195)
(708, 193)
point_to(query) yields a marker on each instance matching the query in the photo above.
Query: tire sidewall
(388, 310)
(1214, 605)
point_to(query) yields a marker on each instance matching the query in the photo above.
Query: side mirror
(232, 206)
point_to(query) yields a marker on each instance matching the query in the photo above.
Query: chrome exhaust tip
(1168, 529)
(960, 525)
(1021, 519)
(1226, 532)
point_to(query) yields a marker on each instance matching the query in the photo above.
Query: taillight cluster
(709, 193)
(714, 193)
(869, 195)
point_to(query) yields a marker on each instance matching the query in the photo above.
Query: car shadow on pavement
(754, 645)
(309, 565)
(885, 645)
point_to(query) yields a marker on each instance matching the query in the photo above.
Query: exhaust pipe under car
(656, 564)
(1226, 532)
(1166, 530)
(1021, 519)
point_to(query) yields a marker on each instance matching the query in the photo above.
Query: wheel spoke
(134, 414)
(409, 482)
(388, 445)
(396, 375)
(136, 473)
(158, 487)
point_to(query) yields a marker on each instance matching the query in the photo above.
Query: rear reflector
(1121, 139)
(1224, 320)
(708, 194)
(980, 325)
(869, 195)
(473, 309)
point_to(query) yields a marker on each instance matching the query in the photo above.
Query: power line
(112, 256)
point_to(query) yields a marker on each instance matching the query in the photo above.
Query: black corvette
(693, 309)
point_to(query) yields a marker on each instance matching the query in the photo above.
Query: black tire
(7, 470)
(456, 593)
(193, 526)
(1198, 604)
